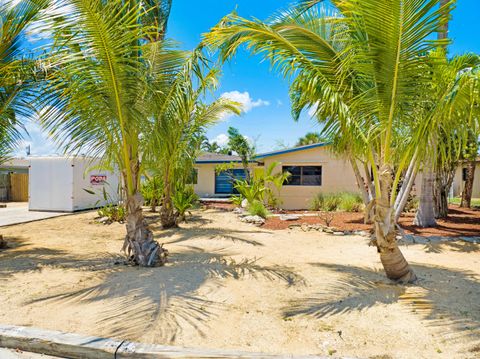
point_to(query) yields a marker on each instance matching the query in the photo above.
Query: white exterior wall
(58, 184)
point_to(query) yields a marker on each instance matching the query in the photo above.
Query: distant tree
(310, 138)
(239, 144)
(470, 155)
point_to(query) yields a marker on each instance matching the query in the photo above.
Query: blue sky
(268, 118)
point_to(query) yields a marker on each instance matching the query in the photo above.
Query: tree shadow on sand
(158, 303)
(430, 298)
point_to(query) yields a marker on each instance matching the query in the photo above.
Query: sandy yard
(232, 285)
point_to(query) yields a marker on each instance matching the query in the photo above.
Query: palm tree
(180, 119)
(363, 65)
(16, 70)
(309, 139)
(109, 61)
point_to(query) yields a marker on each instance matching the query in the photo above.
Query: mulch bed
(460, 222)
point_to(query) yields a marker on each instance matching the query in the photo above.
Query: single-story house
(459, 180)
(313, 168)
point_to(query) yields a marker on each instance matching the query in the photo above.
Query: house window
(464, 174)
(303, 175)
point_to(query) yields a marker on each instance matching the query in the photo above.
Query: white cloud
(246, 101)
(221, 140)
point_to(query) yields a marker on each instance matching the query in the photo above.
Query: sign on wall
(96, 180)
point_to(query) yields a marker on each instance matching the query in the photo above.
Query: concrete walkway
(17, 213)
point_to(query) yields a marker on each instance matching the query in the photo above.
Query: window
(464, 174)
(303, 175)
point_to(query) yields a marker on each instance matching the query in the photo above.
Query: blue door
(224, 181)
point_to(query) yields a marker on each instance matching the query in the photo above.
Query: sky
(266, 119)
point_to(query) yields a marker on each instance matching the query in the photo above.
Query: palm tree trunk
(167, 213)
(425, 216)
(468, 189)
(394, 263)
(360, 182)
(140, 246)
(405, 190)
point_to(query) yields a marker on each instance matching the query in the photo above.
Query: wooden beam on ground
(76, 346)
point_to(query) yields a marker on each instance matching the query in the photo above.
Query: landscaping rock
(244, 203)
(104, 220)
(257, 220)
(338, 233)
(289, 217)
(239, 210)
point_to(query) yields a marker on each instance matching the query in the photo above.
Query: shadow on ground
(442, 296)
(138, 301)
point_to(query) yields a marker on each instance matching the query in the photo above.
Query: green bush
(151, 191)
(183, 200)
(237, 200)
(113, 213)
(257, 208)
(330, 202)
(351, 202)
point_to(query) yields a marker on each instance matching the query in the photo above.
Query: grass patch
(257, 208)
(330, 202)
(457, 200)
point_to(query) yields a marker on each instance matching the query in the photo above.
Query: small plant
(257, 208)
(237, 200)
(152, 192)
(253, 191)
(351, 202)
(184, 199)
(327, 217)
(114, 213)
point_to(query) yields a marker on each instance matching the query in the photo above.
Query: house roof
(289, 150)
(209, 157)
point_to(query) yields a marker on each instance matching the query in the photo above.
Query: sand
(235, 286)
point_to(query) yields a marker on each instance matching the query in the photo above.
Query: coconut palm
(180, 120)
(16, 70)
(109, 62)
(363, 65)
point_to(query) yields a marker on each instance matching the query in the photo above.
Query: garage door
(224, 181)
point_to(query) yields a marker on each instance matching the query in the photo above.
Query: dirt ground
(460, 222)
(232, 285)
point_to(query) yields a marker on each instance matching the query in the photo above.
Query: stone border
(76, 346)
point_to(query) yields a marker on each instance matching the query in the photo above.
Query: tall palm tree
(364, 64)
(16, 70)
(180, 119)
(109, 61)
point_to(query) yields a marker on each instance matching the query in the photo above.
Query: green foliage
(184, 199)
(152, 190)
(412, 204)
(114, 213)
(310, 138)
(257, 208)
(237, 200)
(239, 144)
(330, 202)
(351, 202)
(252, 191)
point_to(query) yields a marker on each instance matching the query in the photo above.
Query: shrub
(257, 208)
(237, 200)
(151, 191)
(330, 202)
(351, 202)
(113, 213)
(184, 199)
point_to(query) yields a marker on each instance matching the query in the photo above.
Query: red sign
(96, 180)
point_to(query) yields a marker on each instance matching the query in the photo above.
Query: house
(313, 168)
(459, 180)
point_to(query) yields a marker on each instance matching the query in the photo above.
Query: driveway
(16, 213)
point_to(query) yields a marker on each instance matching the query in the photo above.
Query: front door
(224, 181)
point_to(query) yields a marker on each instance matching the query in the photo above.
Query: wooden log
(76, 346)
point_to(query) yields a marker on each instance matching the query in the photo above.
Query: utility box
(69, 184)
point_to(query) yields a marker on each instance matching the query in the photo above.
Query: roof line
(293, 149)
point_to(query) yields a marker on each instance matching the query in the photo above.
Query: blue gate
(224, 181)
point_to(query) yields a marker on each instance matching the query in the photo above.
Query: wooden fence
(19, 187)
